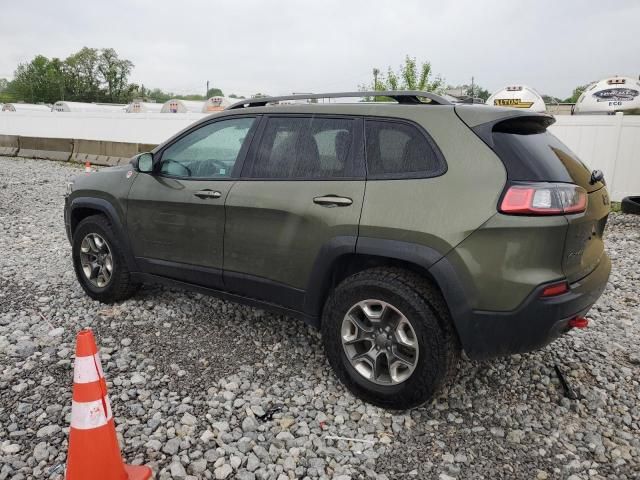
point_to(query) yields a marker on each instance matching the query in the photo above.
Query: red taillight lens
(544, 199)
(555, 289)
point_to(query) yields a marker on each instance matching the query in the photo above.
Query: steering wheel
(219, 164)
(169, 160)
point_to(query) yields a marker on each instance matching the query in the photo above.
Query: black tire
(120, 286)
(423, 307)
(631, 205)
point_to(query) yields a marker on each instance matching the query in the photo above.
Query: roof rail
(406, 97)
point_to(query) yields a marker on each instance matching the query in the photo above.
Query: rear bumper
(536, 323)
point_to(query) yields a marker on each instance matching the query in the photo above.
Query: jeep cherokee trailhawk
(407, 230)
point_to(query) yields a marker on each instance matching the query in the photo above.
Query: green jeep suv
(406, 230)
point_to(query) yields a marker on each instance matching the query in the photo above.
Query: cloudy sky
(284, 46)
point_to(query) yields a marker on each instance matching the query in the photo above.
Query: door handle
(208, 194)
(333, 201)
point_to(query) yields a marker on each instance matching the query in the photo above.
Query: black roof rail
(406, 97)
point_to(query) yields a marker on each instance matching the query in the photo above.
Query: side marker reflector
(555, 289)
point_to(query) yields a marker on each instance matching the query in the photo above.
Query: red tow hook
(578, 322)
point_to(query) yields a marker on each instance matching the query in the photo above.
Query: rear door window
(306, 148)
(398, 149)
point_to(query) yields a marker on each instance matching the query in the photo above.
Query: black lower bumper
(537, 322)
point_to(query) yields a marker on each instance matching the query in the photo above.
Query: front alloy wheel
(96, 260)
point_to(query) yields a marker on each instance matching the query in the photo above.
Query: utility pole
(375, 81)
(472, 91)
(206, 94)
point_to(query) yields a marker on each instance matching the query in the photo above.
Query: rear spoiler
(484, 121)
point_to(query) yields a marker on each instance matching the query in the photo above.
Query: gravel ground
(203, 388)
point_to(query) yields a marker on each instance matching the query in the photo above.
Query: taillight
(544, 199)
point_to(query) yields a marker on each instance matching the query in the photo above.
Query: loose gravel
(203, 388)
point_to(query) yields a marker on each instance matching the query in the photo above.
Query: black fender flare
(109, 210)
(429, 259)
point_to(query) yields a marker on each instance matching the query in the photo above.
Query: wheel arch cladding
(83, 207)
(373, 252)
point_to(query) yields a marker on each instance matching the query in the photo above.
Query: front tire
(388, 337)
(99, 263)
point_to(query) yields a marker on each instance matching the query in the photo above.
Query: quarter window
(209, 152)
(305, 147)
(400, 149)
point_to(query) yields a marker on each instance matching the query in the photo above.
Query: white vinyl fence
(610, 143)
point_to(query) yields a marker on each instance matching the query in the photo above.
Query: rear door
(302, 186)
(176, 215)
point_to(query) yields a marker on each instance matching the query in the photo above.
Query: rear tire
(427, 346)
(99, 262)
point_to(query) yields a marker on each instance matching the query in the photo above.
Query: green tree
(551, 100)
(214, 92)
(113, 72)
(158, 95)
(409, 76)
(6, 95)
(465, 90)
(41, 80)
(81, 75)
(576, 93)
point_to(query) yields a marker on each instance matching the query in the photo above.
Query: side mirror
(144, 162)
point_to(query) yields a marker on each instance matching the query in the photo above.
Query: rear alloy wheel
(388, 337)
(379, 342)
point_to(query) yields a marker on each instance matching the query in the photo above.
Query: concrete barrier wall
(610, 143)
(47, 148)
(97, 152)
(102, 152)
(9, 145)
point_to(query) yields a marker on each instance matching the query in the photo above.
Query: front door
(176, 216)
(302, 187)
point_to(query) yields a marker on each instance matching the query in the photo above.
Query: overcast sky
(284, 46)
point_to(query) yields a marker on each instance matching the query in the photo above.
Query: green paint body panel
(274, 229)
(166, 221)
(109, 184)
(504, 260)
(436, 211)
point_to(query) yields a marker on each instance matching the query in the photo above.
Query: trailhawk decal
(616, 95)
(511, 102)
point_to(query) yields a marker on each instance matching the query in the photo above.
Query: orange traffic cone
(87, 167)
(94, 452)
